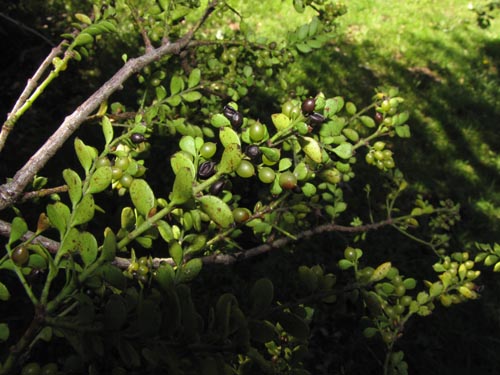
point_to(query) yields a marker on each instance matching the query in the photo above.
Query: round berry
(308, 105)
(229, 111)
(122, 163)
(50, 369)
(266, 175)
(316, 119)
(287, 180)
(137, 138)
(217, 187)
(241, 214)
(236, 120)
(245, 169)
(257, 132)
(102, 162)
(208, 150)
(350, 254)
(206, 169)
(286, 108)
(116, 173)
(378, 146)
(126, 180)
(20, 255)
(253, 152)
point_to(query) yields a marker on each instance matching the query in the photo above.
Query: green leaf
(303, 47)
(280, 121)
(191, 96)
(284, 164)
(59, 215)
(217, 210)
(188, 144)
(108, 251)
(127, 218)
(85, 154)
(231, 158)
(74, 184)
(381, 272)
(175, 251)
(367, 121)
(344, 264)
(176, 85)
(142, 196)
(70, 242)
(107, 130)
(403, 131)
(261, 295)
(182, 190)
(308, 278)
(100, 179)
(197, 244)
(343, 150)
(181, 160)
(174, 100)
(18, 229)
(165, 275)
(84, 211)
(4, 332)
(82, 39)
(4, 292)
(219, 120)
(194, 78)
(87, 248)
(312, 148)
(190, 270)
(37, 261)
(227, 136)
(262, 331)
(165, 230)
(299, 6)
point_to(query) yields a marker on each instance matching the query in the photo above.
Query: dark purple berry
(137, 138)
(217, 187)
(236, 120)
(206, 169)
(316, 118)
(228, 111)
(253, 152)
(308, 106)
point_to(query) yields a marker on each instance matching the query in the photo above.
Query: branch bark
(11, 191)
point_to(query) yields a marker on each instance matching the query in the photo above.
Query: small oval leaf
(142, 196)
(231, 158)
(183, 187)
(217, 210)
(84, 211)
(74, 184)
(18, 229)
(228, 136)
(100, 179)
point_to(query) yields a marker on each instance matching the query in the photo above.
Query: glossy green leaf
(227, 136)
(219, 120)
(217, 210)
(69, 242)
(82, 39)
(174, 100)
(188, 144)
(165, 276)
(403, 131)
(190, 270)
(367, 121)
(100, 179)
(142, 196)
(18, 229)
(182, 190)
(37, 261)
(194, 78)
(176, 252)
(191, 96)
(197, 244)
(272, 154)
(107, 130)
(4, 292)
(127, 218)
(85, 154)
(311, 148)
(108, 251)
(84, 211)
(280, 121)
(181, 160)
(165, 230)
(59, 215)
(261, 295)
(231, 158)
(74, 184)
(176, 85)
(113, 276)
(344, 150)
(87, 248)
(161, 93)
(381, 272)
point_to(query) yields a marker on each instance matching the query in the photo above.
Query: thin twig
(30, 86)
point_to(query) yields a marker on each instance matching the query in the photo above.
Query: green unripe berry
(208, 150)
(126, 180)
(245, 169)
(241, 214)
(20, 255)
(266, 175)
(287, 180)
(257, 132)
(350, 254)
(116, 173)
(379, 146)
(122, 162)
